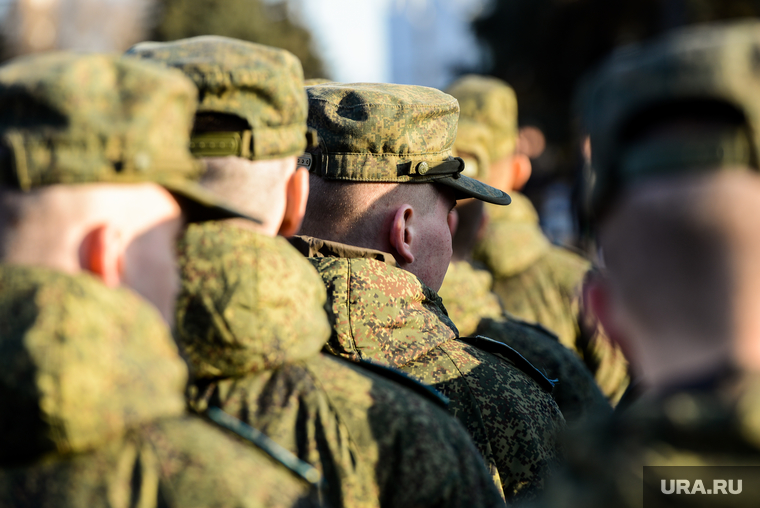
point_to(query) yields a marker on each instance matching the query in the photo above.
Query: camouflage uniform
(97, 416)
(536, 281)
(397, 133)
(712, 420)
(90, 379)
(252, 322)
(405, 326)
(476, 311)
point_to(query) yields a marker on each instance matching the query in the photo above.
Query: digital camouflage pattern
(251, 319)
(386, 315)
(466, 293)
(715, 426)
(379, 132)
(485, 101)
(260, 84)
(92, 385)
(542, 283)
(237, 310)
(68, 118)
(714, 63)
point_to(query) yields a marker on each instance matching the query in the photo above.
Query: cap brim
(467, 187)
(199, 204)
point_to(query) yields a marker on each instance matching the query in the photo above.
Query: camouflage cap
(491, 103)
(695, 69)
(260, 84)
(371, 132)
(68, 119)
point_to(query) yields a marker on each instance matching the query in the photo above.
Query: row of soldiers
(382, 354)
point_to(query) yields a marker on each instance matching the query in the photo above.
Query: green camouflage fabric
(260, 84)
(716, 426)
(466, 292)
(712, 63)
(251, 320)
(92, 388)
(69, 118)
(541, 283)
(386, 315)
(378, 132)
(488, 102)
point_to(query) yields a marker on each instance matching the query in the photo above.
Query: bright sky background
(352, 35)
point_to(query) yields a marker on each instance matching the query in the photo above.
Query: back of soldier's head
(673, 128)
(384, 147)
(371, 133)
(251, 120)
(84, 139)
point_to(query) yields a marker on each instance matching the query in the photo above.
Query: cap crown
(717, 63)
(260, 84)
(67, 118)
(491, 103)
(375, 132)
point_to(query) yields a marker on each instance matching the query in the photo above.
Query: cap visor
(467, 187)
(199, 204)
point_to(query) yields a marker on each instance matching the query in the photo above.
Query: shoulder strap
(406, 381)
(501, 349)
(267, 445)
(532, 324)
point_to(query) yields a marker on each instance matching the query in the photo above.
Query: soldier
(95, 179)
(383, 185)
(251, 317)
(674, 128)
(536, 281)
(476, 310)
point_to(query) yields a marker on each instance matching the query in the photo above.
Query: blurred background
(542, 48)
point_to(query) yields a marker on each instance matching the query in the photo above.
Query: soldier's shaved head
(123, 234)
(261, 188)
(357, 213)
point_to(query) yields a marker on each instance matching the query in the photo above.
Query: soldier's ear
(297, 195)
(521, 170)
(100, 253)
(599, 299)
(402, 234)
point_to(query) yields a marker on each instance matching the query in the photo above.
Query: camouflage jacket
(704, 427)
(251, 321)
(93, 408)
(542, 283)
(387, 315)
(476, 311)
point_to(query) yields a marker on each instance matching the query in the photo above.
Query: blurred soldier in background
(674, 128)
(251, 313)
(94, 169)
(379, 222)
(536, 281)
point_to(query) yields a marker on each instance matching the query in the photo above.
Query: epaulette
(501, 349)
(267, 445)
(406, 381)
(531, 324)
